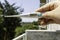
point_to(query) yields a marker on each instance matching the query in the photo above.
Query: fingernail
(39, 14)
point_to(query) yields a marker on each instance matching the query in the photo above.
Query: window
(43, 2)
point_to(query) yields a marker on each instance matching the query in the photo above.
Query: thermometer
(41, 21)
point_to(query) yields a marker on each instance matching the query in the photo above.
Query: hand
(51, 11)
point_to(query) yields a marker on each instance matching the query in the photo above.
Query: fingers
(47, 18)
(47, 7)
(44, 21)
(48, 15)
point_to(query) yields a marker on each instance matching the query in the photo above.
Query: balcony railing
(21, 37)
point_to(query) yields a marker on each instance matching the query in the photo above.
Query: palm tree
(10, 23)
(1, 26)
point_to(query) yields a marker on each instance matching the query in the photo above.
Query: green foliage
(35, 23)
(21, 30)
(9, 24)
(1, 26)
(1, 18)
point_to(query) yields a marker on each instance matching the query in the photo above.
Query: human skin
(51, 11)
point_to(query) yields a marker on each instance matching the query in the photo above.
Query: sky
(28, 5)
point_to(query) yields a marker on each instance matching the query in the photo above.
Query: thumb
(48, 18)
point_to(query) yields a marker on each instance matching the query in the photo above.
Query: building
(42, 2)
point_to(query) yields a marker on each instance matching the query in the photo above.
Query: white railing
(50, 26)
(21, 37)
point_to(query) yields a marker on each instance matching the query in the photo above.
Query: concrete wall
(42, 35)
